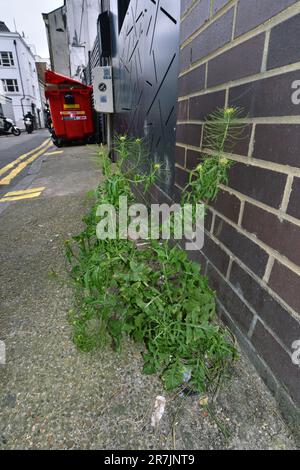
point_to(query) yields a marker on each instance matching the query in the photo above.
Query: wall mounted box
(103, 89)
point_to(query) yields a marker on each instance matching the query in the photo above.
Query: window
(31, 67)
(6, 59)
(10, 86)
(33, 91)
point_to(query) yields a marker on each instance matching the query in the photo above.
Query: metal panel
(145, 62)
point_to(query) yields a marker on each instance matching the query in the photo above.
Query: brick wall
(247, 53)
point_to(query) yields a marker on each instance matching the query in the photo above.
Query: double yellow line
(19, 164)
(22, 194)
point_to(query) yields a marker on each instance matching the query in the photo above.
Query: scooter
(9, 127)
(28, 125)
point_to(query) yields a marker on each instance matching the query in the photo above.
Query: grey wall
(57, 36)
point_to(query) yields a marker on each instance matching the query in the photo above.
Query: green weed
(156, 295)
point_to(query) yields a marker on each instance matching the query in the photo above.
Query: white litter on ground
(159, 409)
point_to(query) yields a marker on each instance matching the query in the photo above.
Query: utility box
(71, 109)
(103, 89)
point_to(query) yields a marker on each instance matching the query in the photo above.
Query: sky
(28, 17)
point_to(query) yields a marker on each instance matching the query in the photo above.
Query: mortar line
(252, 141)
(265, 53)
(265, 26)
(272, 166)
(242, 81)
(292, 266)
(287, 194)
(258, 280)
(268, 270)
(252, 310)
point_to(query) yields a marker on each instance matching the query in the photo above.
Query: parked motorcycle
(7, 127)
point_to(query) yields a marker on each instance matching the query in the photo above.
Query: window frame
(10, 59)
(14, 84)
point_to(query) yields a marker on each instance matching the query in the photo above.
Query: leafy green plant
(156, 295)
(221, 131)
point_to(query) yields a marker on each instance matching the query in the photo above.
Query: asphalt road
(11, 149)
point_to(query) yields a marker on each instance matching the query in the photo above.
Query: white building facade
(6, 107)
(19, 79)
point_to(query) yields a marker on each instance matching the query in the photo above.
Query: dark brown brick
(176, 194)
(192, 81)
(180, 156)
(195, 19)
(228, 205)
(282, 236)
(294, 206)
(201, 106)
(267, 97)
(154, 195)
(267, 308)
(183, 110)
(181, 177)
(216, 255)
(185, 5)
(255, 12)
(245, 249)
(286, 33)
(213, 37)
(278, 360)
(208, 220)
(159, 195)
(218, 4)
(232, 64)
(240, 145)
(278, 143)
(286, 284)
(193, 159)
(189, 134)
(258, 183)
(230, 300)
(197, 257)
(185, 58)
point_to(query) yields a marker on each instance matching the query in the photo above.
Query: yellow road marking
(8, 167)
(54, 153)
(7, 179)
(19, 198)
(24, 191)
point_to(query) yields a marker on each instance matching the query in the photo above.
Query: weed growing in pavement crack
(156, 295)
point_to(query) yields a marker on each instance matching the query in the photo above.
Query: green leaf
(173, 377)
(149, 368)
(115, 327)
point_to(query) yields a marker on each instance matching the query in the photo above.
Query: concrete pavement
(52, 396)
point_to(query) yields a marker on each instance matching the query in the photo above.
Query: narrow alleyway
(52, 396)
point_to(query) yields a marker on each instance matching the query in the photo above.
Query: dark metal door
(145, 62)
